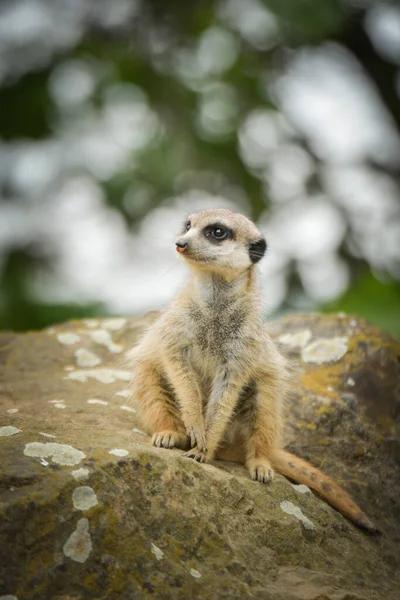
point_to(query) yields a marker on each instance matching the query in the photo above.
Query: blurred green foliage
(375, 300)
(125, 53)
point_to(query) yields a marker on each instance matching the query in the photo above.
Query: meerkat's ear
(257, 249)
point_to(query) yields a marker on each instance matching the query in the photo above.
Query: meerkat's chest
(214, 335)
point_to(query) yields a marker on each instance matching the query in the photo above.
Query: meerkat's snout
(181, 246)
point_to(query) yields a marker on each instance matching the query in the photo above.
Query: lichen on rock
(8, 430)
(290, 509)
(62, 454)
(296, 340)
(79, 544)
(84, 498)
(102, 514)
(325, 350)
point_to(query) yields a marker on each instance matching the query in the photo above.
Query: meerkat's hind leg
(262, 425)
(157, 410)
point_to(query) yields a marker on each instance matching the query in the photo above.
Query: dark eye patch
(186, 226)
(216, 233)
(257, 250)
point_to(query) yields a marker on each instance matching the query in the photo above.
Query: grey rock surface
(88, 509)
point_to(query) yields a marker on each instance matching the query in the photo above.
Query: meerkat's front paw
(260, 469)
(170, 439)
(198, 437)
(197, 453)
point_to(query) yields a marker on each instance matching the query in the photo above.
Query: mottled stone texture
(165, 527)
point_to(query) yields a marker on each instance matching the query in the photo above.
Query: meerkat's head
(220, 241)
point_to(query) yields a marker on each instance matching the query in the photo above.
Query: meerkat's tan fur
(207, 375)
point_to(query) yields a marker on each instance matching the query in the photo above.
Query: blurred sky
(323, 94)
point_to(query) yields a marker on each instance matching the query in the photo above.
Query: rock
(89, 509)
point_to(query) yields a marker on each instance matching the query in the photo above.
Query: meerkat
(208, 377)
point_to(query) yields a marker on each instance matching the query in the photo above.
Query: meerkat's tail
(301, 471)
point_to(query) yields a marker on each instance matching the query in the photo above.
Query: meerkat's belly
(204, 363)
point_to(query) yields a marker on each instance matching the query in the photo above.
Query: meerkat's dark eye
(188, 226)
(219, 233)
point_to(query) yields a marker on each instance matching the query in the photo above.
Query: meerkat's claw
(196, 453)
(197, 437)
(260, 470)
(169, 439)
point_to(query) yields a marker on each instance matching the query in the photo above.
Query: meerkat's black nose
(181, 246)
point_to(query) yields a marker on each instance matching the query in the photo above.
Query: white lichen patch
(103, 337)
(303, 489)
(12, 411)
(115, 324)
(119, 452)
(159, 554)
(47, 435)
(81, 474)
(8, 430)
(350, 381)
(91, 323)
(84, 497)
(290, 509)
(85, 358)
(61, 454)
(102, 375)
(58, 403)
(325, 350)
(8, 597)
(135, 430)
(195, 573)
(79, 544)
(296, 340)
(68, 338)
(96, 401)
(128, 408)
(124, 393)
